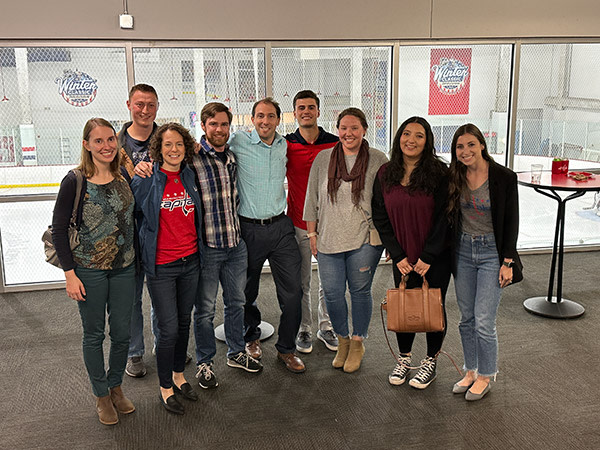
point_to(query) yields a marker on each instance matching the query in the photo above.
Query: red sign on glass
(449, 81)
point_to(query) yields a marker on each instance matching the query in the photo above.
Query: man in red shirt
(303, 146)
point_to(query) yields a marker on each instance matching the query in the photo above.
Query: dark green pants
(112, 292)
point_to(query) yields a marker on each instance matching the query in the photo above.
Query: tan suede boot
(342, 352)
(355, 356)
(122, 403)
(106, 411)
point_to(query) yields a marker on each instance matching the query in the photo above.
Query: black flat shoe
(187, 391)
(172, 404)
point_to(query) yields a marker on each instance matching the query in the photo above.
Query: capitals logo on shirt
(179, 200)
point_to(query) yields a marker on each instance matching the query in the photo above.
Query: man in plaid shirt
(225, 257)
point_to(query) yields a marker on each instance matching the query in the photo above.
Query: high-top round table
(550, 185)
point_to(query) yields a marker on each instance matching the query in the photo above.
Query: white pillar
(199, 87)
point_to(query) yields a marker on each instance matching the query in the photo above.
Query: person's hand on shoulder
(143, 169)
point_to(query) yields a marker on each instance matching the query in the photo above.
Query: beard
(217, 141)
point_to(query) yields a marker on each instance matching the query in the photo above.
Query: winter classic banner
(449, 81)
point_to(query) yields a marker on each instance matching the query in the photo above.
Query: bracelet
(312, 234)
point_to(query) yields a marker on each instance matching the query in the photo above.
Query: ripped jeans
(357, 268)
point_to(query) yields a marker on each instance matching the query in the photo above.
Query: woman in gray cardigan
(338, 215)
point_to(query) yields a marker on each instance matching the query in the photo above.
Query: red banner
(449, 81)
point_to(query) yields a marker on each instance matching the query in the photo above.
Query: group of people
(188, 216)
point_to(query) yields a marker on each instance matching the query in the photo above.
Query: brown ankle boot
(355, 356)
(106, 411)
(342, 352)
(122, 403)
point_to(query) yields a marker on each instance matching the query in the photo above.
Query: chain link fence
(558, 115)
(341, 77)
(188, 78)
(47, 96)
(453, 85)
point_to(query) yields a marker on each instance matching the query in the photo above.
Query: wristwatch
(508, 264)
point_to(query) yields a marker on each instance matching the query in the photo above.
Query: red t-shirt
(177, 235)
(300, 156)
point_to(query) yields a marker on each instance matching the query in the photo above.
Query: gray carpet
(545, 397)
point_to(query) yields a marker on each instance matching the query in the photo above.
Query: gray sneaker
(135, 367)
(304, 342)
(328, 338)
(244, 361)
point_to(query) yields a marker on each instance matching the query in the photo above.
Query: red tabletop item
(561, 166)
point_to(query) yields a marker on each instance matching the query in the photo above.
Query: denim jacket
(148, 193)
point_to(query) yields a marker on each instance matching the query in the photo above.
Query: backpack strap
(79, 177)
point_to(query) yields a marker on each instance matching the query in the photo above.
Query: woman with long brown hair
(100, 271)
(409, 202)
(338, 215)
(483, 207)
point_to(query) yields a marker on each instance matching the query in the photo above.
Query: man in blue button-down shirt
(267, 231)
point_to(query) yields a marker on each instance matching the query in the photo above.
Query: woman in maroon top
(410, 195)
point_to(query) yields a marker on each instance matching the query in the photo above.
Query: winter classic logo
(77, 88)
(450, 75)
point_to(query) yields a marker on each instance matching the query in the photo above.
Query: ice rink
(24, 217)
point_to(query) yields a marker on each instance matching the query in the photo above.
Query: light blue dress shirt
(261, 174)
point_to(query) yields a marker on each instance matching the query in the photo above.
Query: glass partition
(188, 78)
(48, 93)
(558, 116)
(453, 85)
(21, 227)
(341, 77)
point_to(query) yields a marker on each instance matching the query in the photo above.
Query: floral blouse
(106, 232)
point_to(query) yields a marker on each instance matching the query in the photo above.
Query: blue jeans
(478, 295)
(107, 292)
(227, 265)
(173, 291)
(136, 344)
(357, 268)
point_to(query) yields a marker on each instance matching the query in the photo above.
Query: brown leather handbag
(414, 310)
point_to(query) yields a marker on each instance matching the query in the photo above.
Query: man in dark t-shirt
(134, 139)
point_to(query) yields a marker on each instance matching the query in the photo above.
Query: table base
(266, 331)
(565, 309)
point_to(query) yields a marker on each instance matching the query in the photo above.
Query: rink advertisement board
(449, 81)
(7, 151)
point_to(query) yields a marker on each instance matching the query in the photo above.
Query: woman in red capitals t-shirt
(169, 222)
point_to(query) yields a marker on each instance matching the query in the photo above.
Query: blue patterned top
(106, 233)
